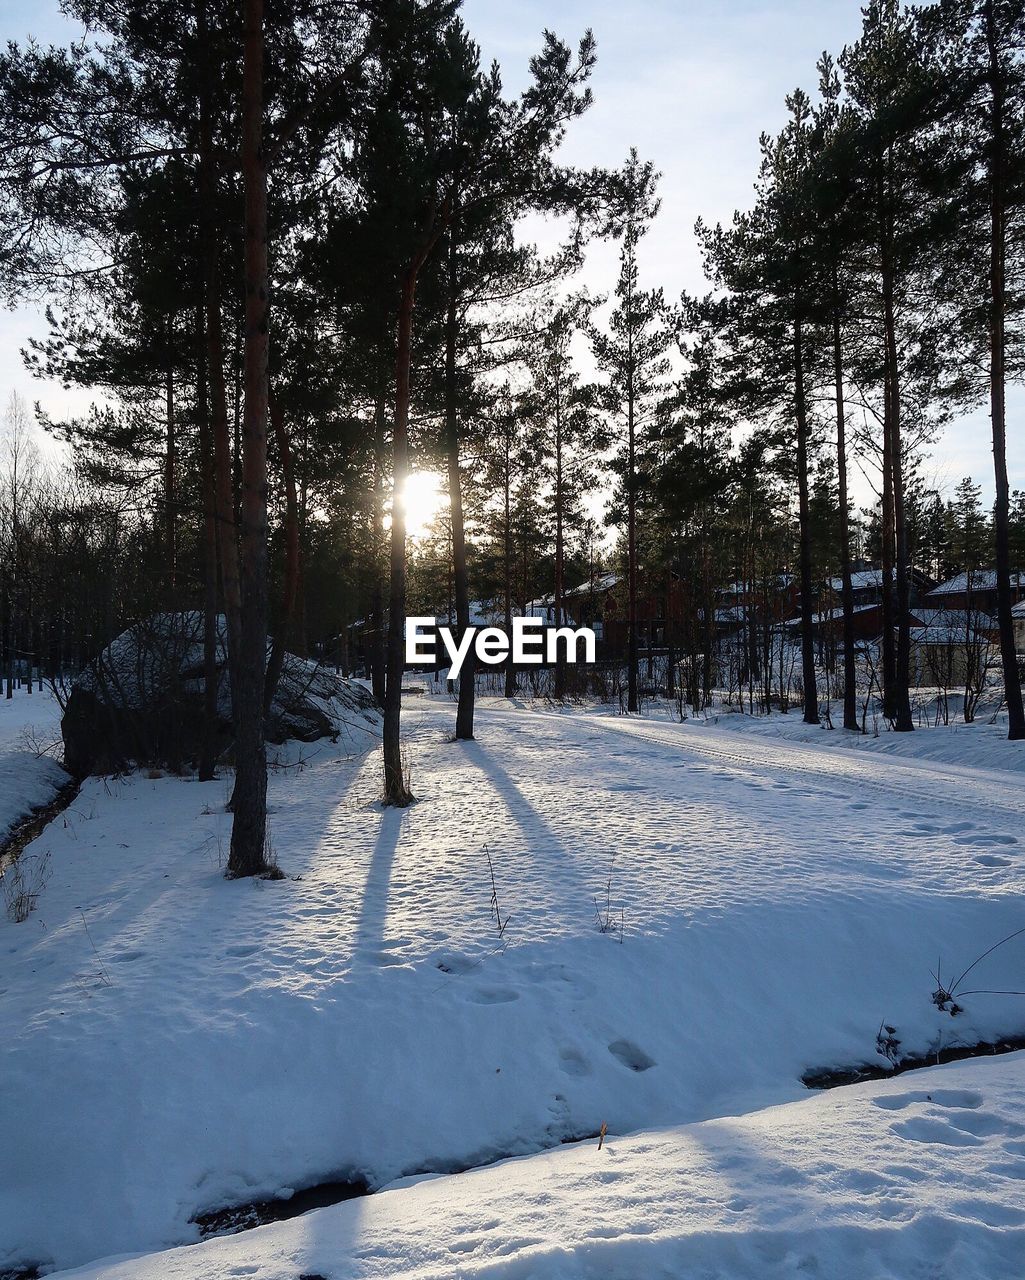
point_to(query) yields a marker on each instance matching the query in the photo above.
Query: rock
(141, 701)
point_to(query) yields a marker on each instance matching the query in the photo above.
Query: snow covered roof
(730, 613)
(603, 582)
(543, 608)
(950, 635)
(779, 581)
(859, 581)
(955, 618)
(952, 626)
(828, 615)
(980, 580)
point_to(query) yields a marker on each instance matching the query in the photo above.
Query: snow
(976, 580)
(830, 615)
(140, 667)
(176, 1043)
(862, 580)
(29, 723)
(911, 1177)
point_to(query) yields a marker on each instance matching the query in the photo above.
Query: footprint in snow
(241, 951)
(493, 995)
(573, 1062)
(630, 1055)
(562, 978)
(935, 1132)
(455, 964)
(991, 860)
(984, 1125)
(960, 1099)
(987, 840)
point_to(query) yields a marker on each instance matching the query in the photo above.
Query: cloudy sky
(690, 83)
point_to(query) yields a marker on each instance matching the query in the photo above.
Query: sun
(423, 497)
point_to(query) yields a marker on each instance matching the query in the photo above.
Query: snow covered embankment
(29, 778)
(921, 1176)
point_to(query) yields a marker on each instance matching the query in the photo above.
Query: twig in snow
(943, 997)
(606, 924)
(104, 975)
(496, 913)
(21, 883)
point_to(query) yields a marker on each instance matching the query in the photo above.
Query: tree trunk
(811, 695)
(248, 853)
(290, 587)
(376, 657)
(903, 721)
(396, 791)
(559, 689)
(9, 638)
(208, 748)
(997, 377)
(170, 465)
(467, 676)
(850, 700)
(889, 655)
(507, 564)
(631, 545)
(224, 488)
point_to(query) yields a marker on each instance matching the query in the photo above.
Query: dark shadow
(533, 825)
(373, 913)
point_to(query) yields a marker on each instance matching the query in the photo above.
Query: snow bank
(920, 1176)
(28, 779)
(141, 701)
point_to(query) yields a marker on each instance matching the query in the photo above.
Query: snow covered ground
(174, 1043)
(915, 1177)
(28, 724)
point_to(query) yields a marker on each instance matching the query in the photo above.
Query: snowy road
(840, 759)
(780, 900)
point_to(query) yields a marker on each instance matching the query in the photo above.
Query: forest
(300, 258)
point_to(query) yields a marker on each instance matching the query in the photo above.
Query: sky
(691, 84)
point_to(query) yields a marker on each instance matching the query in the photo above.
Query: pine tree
(984, 42)
(767, 259)
(632, 356)
(894, 89)
(838, 235)
(563, 435)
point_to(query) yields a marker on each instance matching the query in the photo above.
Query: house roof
(950, 635)
(730, 613)
(981, 580)
(962, 618)
(859, 581)
(604, 582)
(1019, 610)
(952, 626)
(779, 581)
(828, 615)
